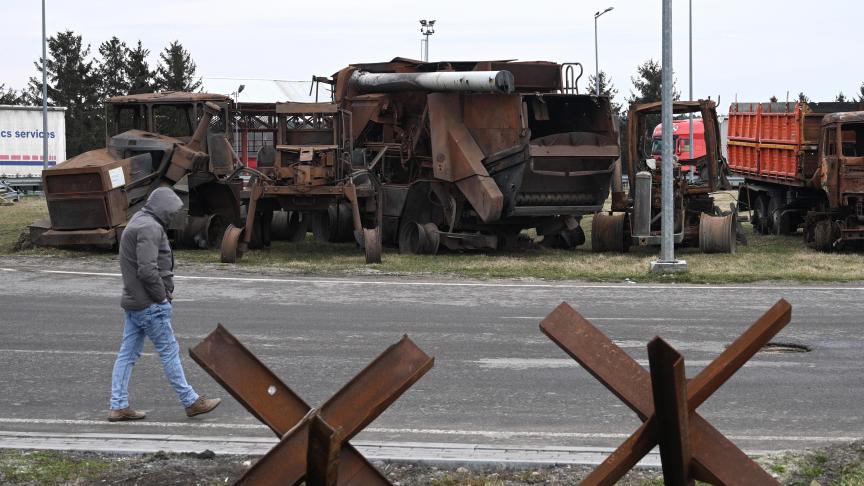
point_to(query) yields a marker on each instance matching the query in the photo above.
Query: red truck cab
(681, 142)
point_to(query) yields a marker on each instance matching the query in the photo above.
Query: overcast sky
(752, 49)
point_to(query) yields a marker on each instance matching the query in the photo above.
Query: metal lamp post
(427, 28)
(239, 117)
(596, 59)
(667, 262)
(692, 149)
(44, 93)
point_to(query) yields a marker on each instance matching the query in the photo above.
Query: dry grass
(765, 258)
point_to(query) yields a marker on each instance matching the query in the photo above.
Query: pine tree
(113, 68)
(176, 70)
(648, 83)
(138, 71)
(840, 98)
(773, 99)
(73, 83)
(606, 89)
(9, 96)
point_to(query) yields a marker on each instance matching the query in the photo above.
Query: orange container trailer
(775, 148)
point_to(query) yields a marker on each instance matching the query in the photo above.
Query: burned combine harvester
(635, 217)
(423, 156)
(155, 139)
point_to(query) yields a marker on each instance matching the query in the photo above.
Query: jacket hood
(163, 204)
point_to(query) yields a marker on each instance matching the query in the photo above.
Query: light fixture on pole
(427, 28)
(596, 59)
(238, 117)
(667, 262)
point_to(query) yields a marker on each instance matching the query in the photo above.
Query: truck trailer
(803, 167)
(21, 140)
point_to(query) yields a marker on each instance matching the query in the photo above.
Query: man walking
(147, 264)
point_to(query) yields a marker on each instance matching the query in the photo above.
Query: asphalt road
(497, 379)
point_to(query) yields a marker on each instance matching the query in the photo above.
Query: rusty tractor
(425, 156)
(634, 218)
(155, 139)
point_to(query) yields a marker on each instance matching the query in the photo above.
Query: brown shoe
(202, 405)
(125, 414)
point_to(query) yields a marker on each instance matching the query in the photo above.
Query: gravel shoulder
(841, 465)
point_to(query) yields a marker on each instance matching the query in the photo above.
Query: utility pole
(44, 93)
(427, 28)
(692, 148)
(667, 262)
(596, 56)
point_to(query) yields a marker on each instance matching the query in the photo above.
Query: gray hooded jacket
(146, 260)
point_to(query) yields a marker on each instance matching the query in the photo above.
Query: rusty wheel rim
(716, 233)
(372, 245)
(607, 233)
(230, 247)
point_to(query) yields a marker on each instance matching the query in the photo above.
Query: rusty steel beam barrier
(313, 442)
(690, 448)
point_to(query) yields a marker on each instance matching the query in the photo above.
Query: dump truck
(634, 217)
(169, 139)
(425, 156)
(803, 167)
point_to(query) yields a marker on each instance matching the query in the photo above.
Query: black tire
(298, 226)
(823, 236)
(261, 235)
(761, 221)
(413, 239)
(336, 225)
(780, 224)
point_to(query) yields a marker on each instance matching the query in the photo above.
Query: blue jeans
(155, 323)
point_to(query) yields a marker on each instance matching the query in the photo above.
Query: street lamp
(427, 28)
(691, 81)
(239, 117)
(44, 94)
(667, 262)
(596, 60)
